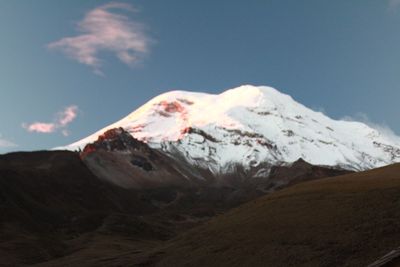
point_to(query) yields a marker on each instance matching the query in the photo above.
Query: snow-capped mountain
(252, 126)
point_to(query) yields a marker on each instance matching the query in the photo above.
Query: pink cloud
(68, 115)
(103, 30)
(63, 119)
(40, 127)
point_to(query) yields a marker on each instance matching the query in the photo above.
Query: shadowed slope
(350, 220)
(49, 198)
(53, 209)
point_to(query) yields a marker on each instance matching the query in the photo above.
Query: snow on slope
(249, 125)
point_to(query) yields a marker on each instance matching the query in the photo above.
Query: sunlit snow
(253, 124)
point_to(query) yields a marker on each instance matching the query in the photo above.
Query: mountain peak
(250, 125)
(254, 90)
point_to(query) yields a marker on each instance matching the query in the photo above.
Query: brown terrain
(349, 220)
(52, 206)
(58, 209)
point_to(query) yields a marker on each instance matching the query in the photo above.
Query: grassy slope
(349, 220)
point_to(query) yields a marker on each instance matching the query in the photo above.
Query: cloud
(383, 128)
(65, 132)
(6, 143)
(40, 127)
(67, 116)
(394, 4)
(61, 121)
(103, 30)
(319, 109)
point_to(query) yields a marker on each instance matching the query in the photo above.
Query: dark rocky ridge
(119, 158)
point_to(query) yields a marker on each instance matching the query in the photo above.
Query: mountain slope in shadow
(54, 209)
(349, 220)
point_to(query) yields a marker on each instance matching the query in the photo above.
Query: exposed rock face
(115, 139)
(118, 140)
(125, 161)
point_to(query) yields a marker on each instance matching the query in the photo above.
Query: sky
(69, 68)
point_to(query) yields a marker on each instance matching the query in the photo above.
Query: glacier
(249, 126)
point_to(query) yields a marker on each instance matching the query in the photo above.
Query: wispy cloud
(104, 30)
(383, 128)
(394, 4)
(61, 122)
(6, 143)
(67, 116)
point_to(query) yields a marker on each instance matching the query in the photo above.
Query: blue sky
(60, 66)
